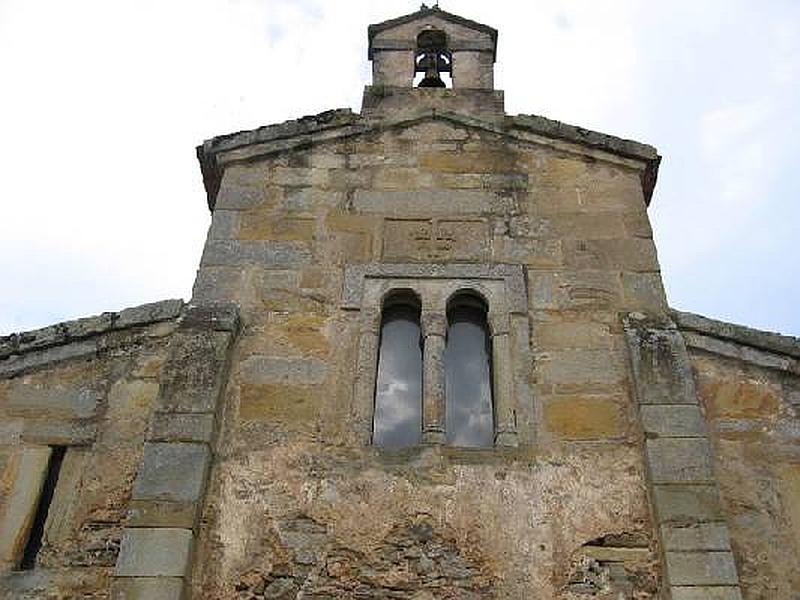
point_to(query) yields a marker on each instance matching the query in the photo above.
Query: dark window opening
(398, 390)
(40, 518)
(468, 374)
(433, 60)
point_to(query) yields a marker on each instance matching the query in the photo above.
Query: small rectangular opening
(40, 518)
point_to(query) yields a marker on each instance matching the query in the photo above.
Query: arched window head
(433, 59)
(398, 390)
(468, 373)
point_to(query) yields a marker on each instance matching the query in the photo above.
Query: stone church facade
(428, 355)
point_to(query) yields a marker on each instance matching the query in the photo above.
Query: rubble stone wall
(749, 386)
(90, 386)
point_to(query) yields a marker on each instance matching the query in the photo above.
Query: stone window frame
(505, 291)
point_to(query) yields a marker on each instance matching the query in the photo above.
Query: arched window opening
(433, 63)
(468, 373)
(397, 419)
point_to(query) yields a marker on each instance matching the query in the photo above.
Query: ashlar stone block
(30, 470)
(679, 460)
(147, 588)
(154, 553)
(579, 418)
(701, 568)
(706, 593)
(172, 471)
(169, 427)
(190, 379)
(677, 420)
(697, 536)
(687, 503)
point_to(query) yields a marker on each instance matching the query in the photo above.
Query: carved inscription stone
(435, 239)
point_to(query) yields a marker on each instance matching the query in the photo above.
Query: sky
(102, 103)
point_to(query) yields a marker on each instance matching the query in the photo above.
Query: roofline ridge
(770, 341)
(376, 28)
(329, 121)
(73, 330)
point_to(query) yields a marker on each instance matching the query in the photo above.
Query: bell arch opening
(433, 63)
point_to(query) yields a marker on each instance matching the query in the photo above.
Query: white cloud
(104, 102)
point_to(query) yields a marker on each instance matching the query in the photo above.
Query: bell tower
(432, 59)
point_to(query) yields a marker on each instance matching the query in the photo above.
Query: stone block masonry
(157, 547)
(698, 562)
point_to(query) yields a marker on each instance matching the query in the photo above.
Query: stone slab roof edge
(377, 28)
(344, 117)
(67, 332)
(763, 340)
(206, 152)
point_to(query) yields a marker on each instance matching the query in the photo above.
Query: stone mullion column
(366, 374)
(156, 553)
(697, 558)
(505, 425)
(434, 330)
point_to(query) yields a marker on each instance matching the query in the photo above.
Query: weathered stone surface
(168, 427)
(147, 588)
(27, 477)
(224, 225)
(190, 380)
(585, 418)
(215, 317)
(172, 471)
(31, 349)
(291, 405)
(162, 513)
(660, 362)
(226, 253)
(627, 254)
(63, 399)
(574, 290)
(701, 568)
(258, 225)
(429, 202)
(59, 433)
(672, 420)
(512, 275)
(265, 369)
(14, 365)
(687, 503)
(679, 460)
(765, 340)
(790, 493)
(59, 528)
(435, 240)
(148, 552)
(740, 399)
(697, 536)
(644, 291)
(706, 593)
(217, 284)
(581, 367)
(583, 335)
(762, 358)
(149, 313)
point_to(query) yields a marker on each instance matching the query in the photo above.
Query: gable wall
(297, 499)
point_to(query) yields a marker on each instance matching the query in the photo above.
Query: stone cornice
(68, 332)
(762, 348)
(245, 146)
